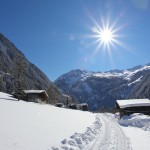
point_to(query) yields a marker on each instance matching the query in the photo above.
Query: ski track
(106, 134)
(111, 136)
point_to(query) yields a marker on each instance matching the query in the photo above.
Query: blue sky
(53, 34)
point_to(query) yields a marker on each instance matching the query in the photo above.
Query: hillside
(31, 126)
(101, 89)
(17, 72)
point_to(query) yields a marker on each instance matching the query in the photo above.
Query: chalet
(83, 106)
(59, 104)
(72, 106)
(37, 96)
(131, 106)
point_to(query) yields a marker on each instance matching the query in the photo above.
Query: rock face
(101, 90)
(16, 71)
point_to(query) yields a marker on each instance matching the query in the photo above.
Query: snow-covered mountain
(102, 89)
(15, 67)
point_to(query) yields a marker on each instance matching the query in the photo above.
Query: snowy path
(105, 134)
(111, 136)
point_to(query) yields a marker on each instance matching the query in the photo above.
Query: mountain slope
(102, 89)
(17, 72)
(30, 126)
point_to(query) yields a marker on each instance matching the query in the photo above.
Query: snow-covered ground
(32, 126)
(137, 128)
(111, 136)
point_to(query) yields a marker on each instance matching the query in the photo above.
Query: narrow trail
(111, 136)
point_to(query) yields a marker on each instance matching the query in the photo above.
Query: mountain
(17, 72)
(101, 89)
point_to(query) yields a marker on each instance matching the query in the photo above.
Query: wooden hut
(36, 96)
(131, 106)
(83, 106)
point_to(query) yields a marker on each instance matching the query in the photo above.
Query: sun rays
(105, 37)
(106, 34)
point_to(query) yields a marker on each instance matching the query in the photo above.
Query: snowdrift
(136, 120)
(81, 141)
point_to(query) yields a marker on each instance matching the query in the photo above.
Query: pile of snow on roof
(133, 103)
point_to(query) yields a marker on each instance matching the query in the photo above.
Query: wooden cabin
(130, 106)
(37, 96)
(83, 106)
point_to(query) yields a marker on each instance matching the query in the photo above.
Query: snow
(105, 134)
(137, 80)
(75, 75)
(133, 102)
(126, 74)
(83, 141)
(129, 74)
(140, 140)
(4, 96)
(34, 91)
(137, 128)
(29, 126)
(111, 136)
(33, 126)
(136, 120)
(82, 75)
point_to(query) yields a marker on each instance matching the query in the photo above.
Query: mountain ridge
(102, 89)
(16, 71)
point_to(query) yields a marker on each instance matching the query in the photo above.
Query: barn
(36, 96)
(131, 106)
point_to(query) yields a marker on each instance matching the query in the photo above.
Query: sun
(106, 36)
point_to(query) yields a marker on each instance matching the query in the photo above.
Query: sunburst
(106, 35)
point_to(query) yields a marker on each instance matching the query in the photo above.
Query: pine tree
(1, 83)
(19, 72)
(53, 98)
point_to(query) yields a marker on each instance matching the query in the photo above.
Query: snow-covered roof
(83, 104)
(133, 103)
(35, 92)
(66, 95)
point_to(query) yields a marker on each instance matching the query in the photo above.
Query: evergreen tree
(1, 83)
(52, 92)
(19, 73)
